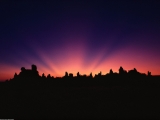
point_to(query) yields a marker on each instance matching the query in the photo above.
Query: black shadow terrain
(123, 95)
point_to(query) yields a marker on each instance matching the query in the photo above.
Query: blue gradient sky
(85, 36)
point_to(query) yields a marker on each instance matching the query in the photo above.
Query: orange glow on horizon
(72, 60)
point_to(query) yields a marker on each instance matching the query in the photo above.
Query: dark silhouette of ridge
(33, 75)
(27, 74)
(124, 95)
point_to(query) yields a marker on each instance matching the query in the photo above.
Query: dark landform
(124, 95)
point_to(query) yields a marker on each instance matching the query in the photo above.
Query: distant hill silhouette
(124, 95)
(32, 73)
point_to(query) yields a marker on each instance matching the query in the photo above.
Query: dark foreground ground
(53, 100)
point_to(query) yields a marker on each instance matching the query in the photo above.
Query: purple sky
(85, 36)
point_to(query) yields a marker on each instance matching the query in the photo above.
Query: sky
(79, 36)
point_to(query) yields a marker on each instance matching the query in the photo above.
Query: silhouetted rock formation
(27, 74)
(43, 76)
(66, 74)
(149, 73)
(122, 71)
(91, 76)
(15, 76)
(111, 71)
(32, 74)
(49, 76)
(114, 95)
(70, 75)
(78, 75)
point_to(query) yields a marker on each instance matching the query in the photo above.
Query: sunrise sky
(79, 35)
